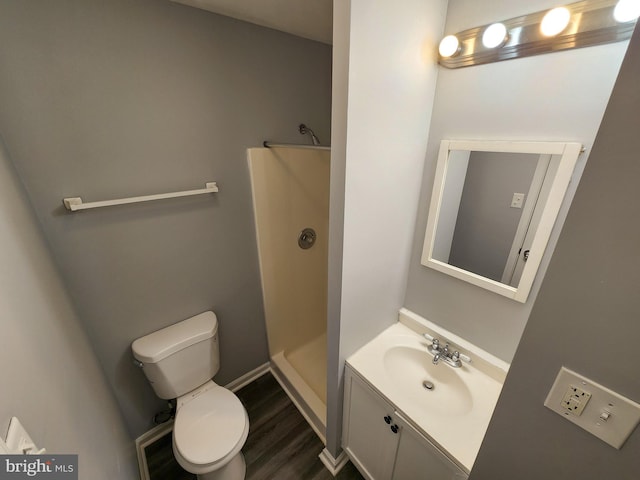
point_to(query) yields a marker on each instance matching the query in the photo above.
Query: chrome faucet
(444, 353)
(436, 358)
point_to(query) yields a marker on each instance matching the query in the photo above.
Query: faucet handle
(464, 357)
(435, 343)
(460, 356)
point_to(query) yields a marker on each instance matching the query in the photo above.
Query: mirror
(492, 210)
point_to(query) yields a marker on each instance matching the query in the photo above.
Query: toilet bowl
(211, 424)
(210, 428)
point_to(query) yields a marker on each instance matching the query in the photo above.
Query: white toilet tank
(180, 357)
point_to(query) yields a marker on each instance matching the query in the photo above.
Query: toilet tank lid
(160, 344)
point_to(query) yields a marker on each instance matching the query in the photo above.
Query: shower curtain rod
(295, 145)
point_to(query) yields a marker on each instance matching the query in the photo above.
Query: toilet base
(234, 470)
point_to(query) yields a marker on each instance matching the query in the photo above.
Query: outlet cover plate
(623, 414)
(518, 200)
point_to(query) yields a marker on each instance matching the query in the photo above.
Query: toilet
(211, 424)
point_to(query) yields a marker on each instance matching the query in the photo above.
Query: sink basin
(455, 413)
(408, 368)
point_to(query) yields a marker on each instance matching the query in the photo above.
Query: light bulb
(449, 46)
(627, 11)
(555, 21)
(495, 35)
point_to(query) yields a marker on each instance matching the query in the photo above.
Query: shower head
(304, 130)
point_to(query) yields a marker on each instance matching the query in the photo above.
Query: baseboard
(147, 439)
(334, 465)
(248, 377)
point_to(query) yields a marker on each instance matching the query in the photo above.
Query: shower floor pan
(302, 373)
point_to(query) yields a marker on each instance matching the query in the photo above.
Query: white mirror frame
(569, 153)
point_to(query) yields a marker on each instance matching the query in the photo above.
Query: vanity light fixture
(495, 35)
(449, 46)
(581, 24)
(627, 11)
(555, 21)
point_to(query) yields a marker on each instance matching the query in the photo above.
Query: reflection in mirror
(494, 194)
(492, 209)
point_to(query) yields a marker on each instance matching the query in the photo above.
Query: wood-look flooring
(281, 445)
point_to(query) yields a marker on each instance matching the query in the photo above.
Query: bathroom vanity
(406, 417)
(383, 444)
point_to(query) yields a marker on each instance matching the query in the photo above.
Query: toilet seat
(209, 429)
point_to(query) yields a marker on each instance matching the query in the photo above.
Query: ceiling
(310, 19)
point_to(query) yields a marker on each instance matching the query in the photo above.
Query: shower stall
(291, 206)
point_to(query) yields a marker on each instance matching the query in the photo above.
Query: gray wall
(486, 223)
(108, 99)
(50, 378)
(554, 97)
(585, 317)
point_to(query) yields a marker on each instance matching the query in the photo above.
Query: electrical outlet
(593, 407)
(575, 400)
(518, 200)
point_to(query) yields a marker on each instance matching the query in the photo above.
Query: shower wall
(291, 193)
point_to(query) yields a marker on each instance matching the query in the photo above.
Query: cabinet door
(417, 458)
(369, 439)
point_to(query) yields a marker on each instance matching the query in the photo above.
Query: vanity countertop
(455, 413)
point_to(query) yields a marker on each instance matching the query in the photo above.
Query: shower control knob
(307, 238)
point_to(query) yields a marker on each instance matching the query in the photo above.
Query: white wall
(49, 377)
(339, 116)
(451, 198)
(559, 96)
(391, 80)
